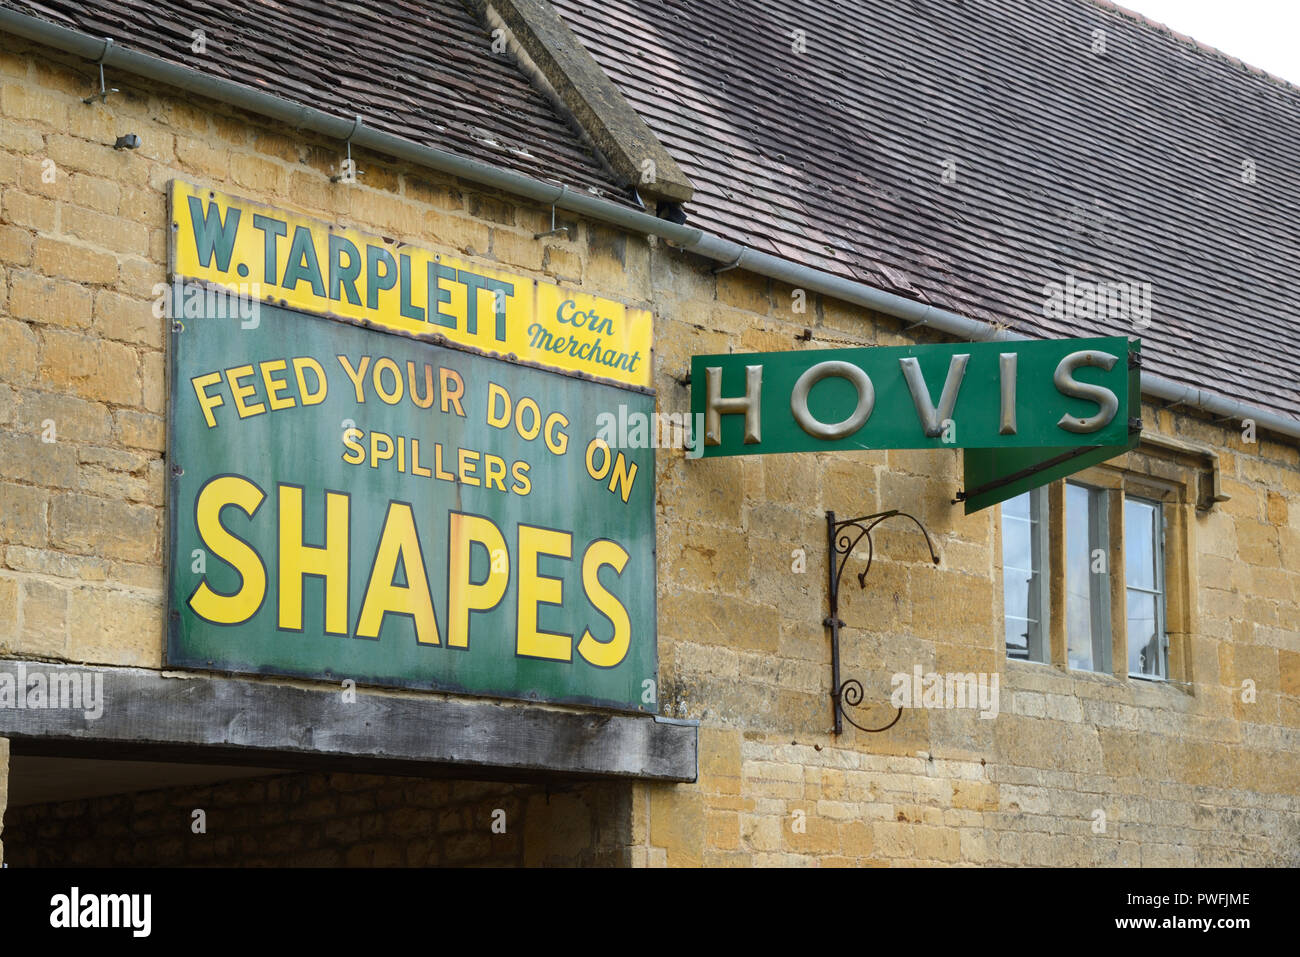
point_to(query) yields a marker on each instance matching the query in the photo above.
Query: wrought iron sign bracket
(841, 539)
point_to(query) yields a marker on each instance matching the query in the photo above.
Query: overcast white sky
(1263, 33)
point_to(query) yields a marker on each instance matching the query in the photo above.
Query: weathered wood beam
(206, 718)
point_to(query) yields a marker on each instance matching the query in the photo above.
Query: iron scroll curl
(851, 693)
(843, 538)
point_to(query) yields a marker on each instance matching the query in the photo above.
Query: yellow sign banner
(264, 254)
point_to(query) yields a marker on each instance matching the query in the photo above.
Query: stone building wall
(1185, 772)
(331, 820)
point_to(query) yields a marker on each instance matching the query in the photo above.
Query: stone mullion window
(1108, 564)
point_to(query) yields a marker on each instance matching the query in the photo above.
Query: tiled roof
(420, 69)
(1115, 164)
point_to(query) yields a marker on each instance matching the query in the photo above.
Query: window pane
(1139, 544)
(1016, 594)
(1143, 537)
(1022, 575)
(1077, 621)
(1015, 543)
(1078, 611)
(1087, 582)
(1017, 507)
(1145, 655)
(1017, 638)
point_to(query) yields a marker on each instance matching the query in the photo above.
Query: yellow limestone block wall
(331, 820)
(1076, 769)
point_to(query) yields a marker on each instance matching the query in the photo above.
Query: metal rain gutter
(583, 203)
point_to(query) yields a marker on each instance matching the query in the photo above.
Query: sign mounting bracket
(842, 537)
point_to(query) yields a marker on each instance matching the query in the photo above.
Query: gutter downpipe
(693, 240)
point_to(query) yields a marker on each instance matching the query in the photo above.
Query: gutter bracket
(731, 265)
(102, 95)
(555, 230)
(350, 172)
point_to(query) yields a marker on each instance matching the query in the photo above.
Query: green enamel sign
(354, 504)
(1026, 411)
(993, 475)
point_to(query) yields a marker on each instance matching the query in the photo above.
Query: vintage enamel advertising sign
(350, 503)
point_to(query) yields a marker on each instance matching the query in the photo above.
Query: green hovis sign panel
(1025, 411)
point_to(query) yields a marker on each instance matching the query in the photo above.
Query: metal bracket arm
(841, 539)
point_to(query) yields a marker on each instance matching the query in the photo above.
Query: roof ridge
(1188, 40)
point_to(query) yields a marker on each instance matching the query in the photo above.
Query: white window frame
(1158, 557)
(1157, 480)
(1037, 647)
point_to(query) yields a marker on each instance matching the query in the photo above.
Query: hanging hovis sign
(1025, 412)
